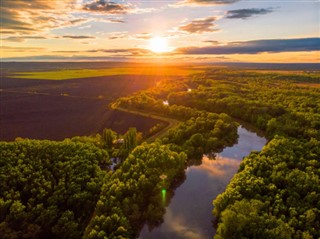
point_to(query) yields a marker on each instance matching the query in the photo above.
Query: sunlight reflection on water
(189, 213)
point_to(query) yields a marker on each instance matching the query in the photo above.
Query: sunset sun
(158, 45)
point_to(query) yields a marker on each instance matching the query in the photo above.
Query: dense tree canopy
(48, 189)
(275, 194)
(133, 193)
(274, 104)
(202, 135)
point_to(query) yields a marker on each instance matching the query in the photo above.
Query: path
(171, 122)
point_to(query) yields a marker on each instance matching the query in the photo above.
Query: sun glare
(158, 45)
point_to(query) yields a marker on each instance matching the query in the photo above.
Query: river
(189, 215)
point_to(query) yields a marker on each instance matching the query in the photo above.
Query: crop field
(87, 73)
(57, 109)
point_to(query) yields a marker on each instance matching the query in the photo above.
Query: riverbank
(189, 213)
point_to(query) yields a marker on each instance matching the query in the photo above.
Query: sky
(167, 30)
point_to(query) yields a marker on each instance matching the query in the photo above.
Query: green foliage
(274, 103)
(130, 141)
(132, 194)
(285, 176)
(155, 129)
(107, 138)
(95, 140)
(147, 102)
(246, 219)
(204, 134)
(270, 101)
(48, 189)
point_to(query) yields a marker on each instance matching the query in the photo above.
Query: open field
(58, 117)
(67, 74)
(59, 109)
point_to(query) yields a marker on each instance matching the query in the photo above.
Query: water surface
(189, 214)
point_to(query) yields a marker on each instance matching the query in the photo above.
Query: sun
(158, 45)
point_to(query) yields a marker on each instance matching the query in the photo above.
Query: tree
(107, 138)
(130, 141)
(49, 188)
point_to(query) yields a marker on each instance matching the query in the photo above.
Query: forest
(67, 189)
(278, 186)
(49, 189)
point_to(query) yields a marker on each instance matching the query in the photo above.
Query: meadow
(67, 74)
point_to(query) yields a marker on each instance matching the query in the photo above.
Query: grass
(86, 73)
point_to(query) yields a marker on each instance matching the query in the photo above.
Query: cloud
(78, 37)
(178, 227)
(125, 35)
(64, 58)
(122, 51)
(21, 49)
(114, 7)
(32, 16)
(23, 38)
(117, 21)
(118, 35)
(212, 42)
(67, 52)
(106, 6)
(248, 12)
(106, 54)
(199, 25)
(29, 17)
(203, 2)
(257, 46)
(107, 20)
(220, 167)
(137, 10)
(144, 36)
